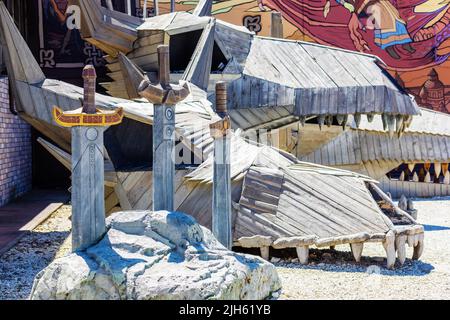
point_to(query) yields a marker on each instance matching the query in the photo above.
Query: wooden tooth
(408, 120)
(321, 121)
(418, 249)
(370, 117)
(329, 120)
(447, 177)
(410, 205)
(357, 117)
(400, 245)
(340, 118)
(389, 247)
(344, 122)
(391, 125)
(302, 120)
(264, 253)
(403, 203)
(384, 119)
(437, 169)
(357, 249)
(415, 177)
(303, 254)
(399, 123)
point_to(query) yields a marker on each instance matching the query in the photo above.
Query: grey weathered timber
(88, 203)
(132, 75)
(163, 157)
(276, 25)
(221, 213)
(164, 96)
(273, 194)
(112, 31)
(199, 68)
(156, 7)
(144, 10)
(272, 72)
(87, 163)
(203, 8)
(163, 143)
(222, 192)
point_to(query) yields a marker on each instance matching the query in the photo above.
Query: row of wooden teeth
(391, 122)
(439, 169)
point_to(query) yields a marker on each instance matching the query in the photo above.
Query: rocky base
(156, 255)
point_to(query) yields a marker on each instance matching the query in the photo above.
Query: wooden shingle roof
(317, 80)
(305, 203)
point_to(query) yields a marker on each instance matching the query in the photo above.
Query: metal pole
(221, 216)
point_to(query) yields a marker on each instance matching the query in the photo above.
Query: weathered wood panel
(413, 189)
(364, 146)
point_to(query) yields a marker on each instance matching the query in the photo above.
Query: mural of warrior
(382, 17)
(55, 18)
(406, 34)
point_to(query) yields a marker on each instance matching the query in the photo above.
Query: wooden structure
(310, 79)
(112, 31)
(271, 91)
(415, 164)
(275, 198)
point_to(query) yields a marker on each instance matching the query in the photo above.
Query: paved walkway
(26, 213)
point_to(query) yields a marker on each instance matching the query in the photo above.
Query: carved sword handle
(89, 78)
(164, 65)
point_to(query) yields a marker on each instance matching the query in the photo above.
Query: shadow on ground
(428, 227)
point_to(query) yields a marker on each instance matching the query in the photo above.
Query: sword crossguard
(220, 128)
(170, 94)
(164, 92)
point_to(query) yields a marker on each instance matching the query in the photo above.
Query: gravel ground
(341, 278)
(33, 252)
(330, 275)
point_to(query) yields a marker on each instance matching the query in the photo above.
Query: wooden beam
(276, 25)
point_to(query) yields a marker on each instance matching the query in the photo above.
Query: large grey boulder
(156, 255)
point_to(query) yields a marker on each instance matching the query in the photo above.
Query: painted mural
(412, 37)
(61, 46)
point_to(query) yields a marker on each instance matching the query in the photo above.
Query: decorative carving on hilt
(88, 115)
(163, 93)
(221, 127)
(89, 78)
